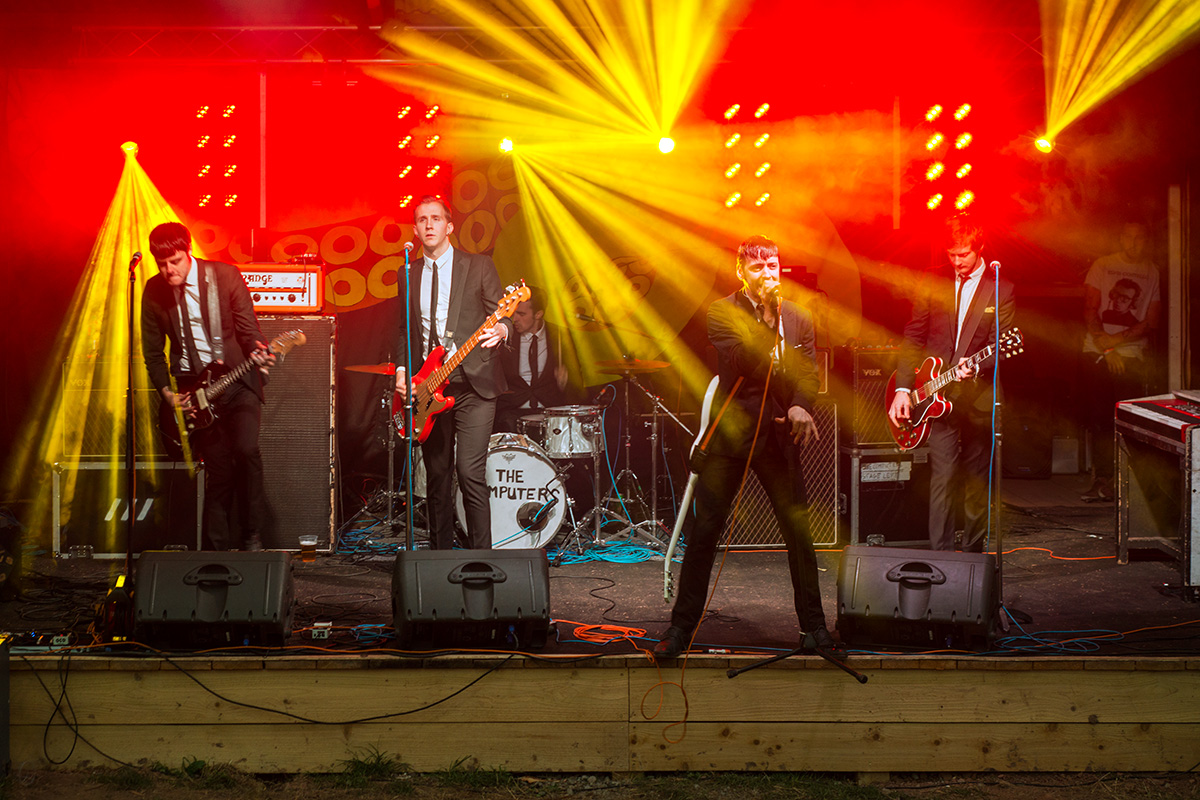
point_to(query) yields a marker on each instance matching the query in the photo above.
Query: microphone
(584, 317)
(995, 265)
(137, 257)
(774, 296)
(408, 247)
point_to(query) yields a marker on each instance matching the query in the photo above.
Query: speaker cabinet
(471, 599)
(213, 599)
(92, 412)
(296, 438)
(884, 492)
(756, 526)
(863, 374)
(926, 599)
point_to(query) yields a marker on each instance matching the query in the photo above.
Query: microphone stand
(130, 437)
(410, 539)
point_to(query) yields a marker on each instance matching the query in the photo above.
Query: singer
(768, 343)
(955, 313)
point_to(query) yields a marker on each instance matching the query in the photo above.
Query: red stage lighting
(761, 111)
(733, 199)
(934, 201)
(762, 140)
(934, 141)
(732, 140)
(230, 199)
(228, 111)
(732, 111)
(202, 112)
(963, 171)
(964, 199)
(403, 112)
(204, 170)
(762, 169)
(432, 112)
(962, 112)
(403, 143)
(229, 140)
(935, 171)
(933, 113)
(963, 141)
(404, 172)
(733, 169)
(204, 200)
(203, 140)
(432, 141)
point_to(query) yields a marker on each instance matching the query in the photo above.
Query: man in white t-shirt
(1122, 305)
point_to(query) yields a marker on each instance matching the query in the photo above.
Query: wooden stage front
(1106, 677)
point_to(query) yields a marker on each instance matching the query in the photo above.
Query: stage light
(403, 143)
(432, 112)
(506, 145)
(404, 172)
(432, 141)
(733, 199)
(762, 198)
(201, 112)
(762, 169)
(228, 111)
(204, 200)
(130, 148)
(230, 169)
(964, 199)
(761, 111)
(963, 141)
(229, 140)
(230, 199)
(934, 201)
(203, 140)
(933, 113)
(666, 144)
(732, 111)
(963, 171)
(762, 140)
(433, 171)
(732, 140)
(204, 170)
(733, 169)
(404, 201)
(1044, 145)
(933, 141)
(961, 113)
(402, 113)
(935, 171)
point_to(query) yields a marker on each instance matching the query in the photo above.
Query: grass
(473, 777)
(372, 766)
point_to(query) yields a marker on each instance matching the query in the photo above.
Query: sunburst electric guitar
(212, 383)
(927, 401)
(434, 374)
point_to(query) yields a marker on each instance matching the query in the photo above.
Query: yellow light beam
(1095, 48)
(82, 392)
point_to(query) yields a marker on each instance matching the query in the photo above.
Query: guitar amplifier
(861, 376)
(284, 288)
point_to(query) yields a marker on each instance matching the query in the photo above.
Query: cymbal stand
(597, 517)
(632, 492)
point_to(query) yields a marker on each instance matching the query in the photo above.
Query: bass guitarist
(452, 294)
(953, 314)
(204, 311)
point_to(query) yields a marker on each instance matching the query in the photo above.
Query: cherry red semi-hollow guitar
(434, 374)
(927, 401)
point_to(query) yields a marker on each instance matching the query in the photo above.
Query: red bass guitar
(927, 401)
(434, 374)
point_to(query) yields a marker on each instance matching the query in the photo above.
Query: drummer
(533, 366)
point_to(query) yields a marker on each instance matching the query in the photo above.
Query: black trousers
(458, 444)
(235, 503)
(1102, 391)
(715, 490)
(959, 455)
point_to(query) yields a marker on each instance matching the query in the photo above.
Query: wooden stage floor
(1105, 676)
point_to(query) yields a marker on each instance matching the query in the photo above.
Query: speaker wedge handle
(916, 572)
(476, 571)
(213, 573)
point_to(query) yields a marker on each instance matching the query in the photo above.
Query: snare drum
(528, 499)
(574, 431)
(534, 427)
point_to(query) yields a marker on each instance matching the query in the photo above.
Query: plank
(899, 747)
(506, 695)
(922, 695)
(425, 747)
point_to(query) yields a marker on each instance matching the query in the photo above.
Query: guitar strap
(213, 321)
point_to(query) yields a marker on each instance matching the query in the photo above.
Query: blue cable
(608, 461)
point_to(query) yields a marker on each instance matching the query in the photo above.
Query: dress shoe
(1101, 492)
(671, 645)
(821, 639)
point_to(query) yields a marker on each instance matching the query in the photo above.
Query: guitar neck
(442, 373)
(228, 379)
(950, 375)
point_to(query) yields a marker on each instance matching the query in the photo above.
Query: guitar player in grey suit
(954, 315)
(452, 295)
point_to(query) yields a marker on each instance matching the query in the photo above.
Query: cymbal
(618, 366)
(386, 368)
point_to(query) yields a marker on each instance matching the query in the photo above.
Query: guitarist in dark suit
(203, 311)
(536, 375)
(954, 314)
(758, 338)
(452, 295)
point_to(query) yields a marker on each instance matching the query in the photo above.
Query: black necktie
(533, 360)
(433, 309)
(958, 303)
(189, 341)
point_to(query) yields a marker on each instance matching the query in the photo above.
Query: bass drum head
(528, 499)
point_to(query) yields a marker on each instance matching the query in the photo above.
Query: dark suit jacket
(161, 323)
(475, 292)
(545, 388)
(930, 331)
(744, 347)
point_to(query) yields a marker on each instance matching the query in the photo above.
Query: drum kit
(526, 470)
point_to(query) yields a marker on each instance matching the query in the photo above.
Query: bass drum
(528, 498)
